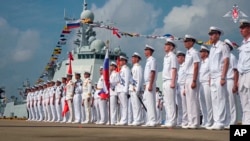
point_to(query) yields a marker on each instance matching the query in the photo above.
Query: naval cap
(113, 64)
(123, 57)
(203, 47)
(77, 73)
(64, 77)
(149, 47)
(58, 80)
(180, 53)
(69, 74)
(170, 41)
(188, 37)
(214, 29)
(244, 23)
(87, 72)
(101, 67)
(229, 43)
(135, 54)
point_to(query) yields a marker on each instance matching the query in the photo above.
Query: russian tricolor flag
(73, 24)
(105, 92)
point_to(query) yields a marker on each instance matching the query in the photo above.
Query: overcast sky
(30, 29)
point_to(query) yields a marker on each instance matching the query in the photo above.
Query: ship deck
(20, 130)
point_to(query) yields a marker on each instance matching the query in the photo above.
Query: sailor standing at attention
(218, 67)
(36, 93)
(114, 80)
(45, 102)
(169, 76)
(244, 71)
(69, 97)
(192, 62)
(122, 89)
(63, 99)
(86, 97)
(204, 89)
(28, 99)
(150, 75)
(52, 101)
(135, 87)
(58, 96)
(40, 102)
(77, 99)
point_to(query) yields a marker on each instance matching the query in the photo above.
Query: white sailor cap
(58, 80)
(180, 53)
(204, 48)
(188, 37)
(101, 67)
(124, 57)
(87, 72)
(69, 74)
(48, 81)
(64, 77)
(52, 81)
(214, 29)
(229, 43)
(44, 84)
(77, 73)
(135, 54)
(149, 47)
(244, 23)
(170, 41)
(113, 64)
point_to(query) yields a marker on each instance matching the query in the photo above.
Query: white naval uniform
(122, 92)
(182, 119)
(32, 106)
(170, 63)
(244, 81)
(218, 53)
(114, 80)
(52, 103)
(77, 101)
(44, 104)
(28, 99)
(86, 94)
(47, 98)
(205, 94)
(40, 105)
(159, 100)
(149, 96)
(96, 106)
(69, 98)
(231, 97)
(63, 99)
(192, 56)
(58, 95)
(135, 88)
(102, 103)
(36, 105)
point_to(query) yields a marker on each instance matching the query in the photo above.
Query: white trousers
(29, 112)
(206, 104)
(218, 94)
(136, 107)
(113, 109)
(71, 112)
(123, 97)
(77, 102)
(169, 103)
(97, 109)
(178, 100)
(36, 111)
(232, 109)
(244, 91)
(158, 114)
(87, 110)
(130, 112)
(44, 110)
(40, 110)
(184, 121)
(103, 111)
(58, 109)
(53, 110)
(48, 110)
(192, 103)
(150, 104)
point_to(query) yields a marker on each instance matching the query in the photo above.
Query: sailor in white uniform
(69, 97)
(204, 89)
(47, 98)
(58, 96)
(63, 99)
(192, 64)
(77, 99)
(218, 67)
(87, 97)
(122, 89)
(52, 101)
(244, 71)
(150, 75)
(40, 102)
(135, 88)
(96, 103)
(28, 99)
(36, 94)
(159, 106)
(182, 118)
(45, 102)
(114, 80)
(169, 77)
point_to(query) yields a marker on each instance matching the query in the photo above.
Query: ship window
(91, 56)
(97, 56)
(87, 56)
(79, 56)
(102, 56)
(83, 56)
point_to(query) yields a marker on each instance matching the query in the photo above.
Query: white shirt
(52, 91)
(169, 63)
(181, 74)
(69, 90)
(244, 57)
(204, 71)
(136, 78)
(58, 92)
(218, 53)
(114, 80)
(86, 88)
(78, 87)
(192, 56)
(150, 66)
(232, 66)
(100, 85)
(124, 75)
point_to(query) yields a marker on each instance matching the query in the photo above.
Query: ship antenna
(85, 5)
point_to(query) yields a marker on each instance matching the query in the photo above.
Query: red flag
(65, 108)
(70, 59)
(115, 32)
(118, 64)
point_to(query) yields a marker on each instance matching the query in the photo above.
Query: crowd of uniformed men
(205, 81)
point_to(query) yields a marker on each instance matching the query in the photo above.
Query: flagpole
(107, 45)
